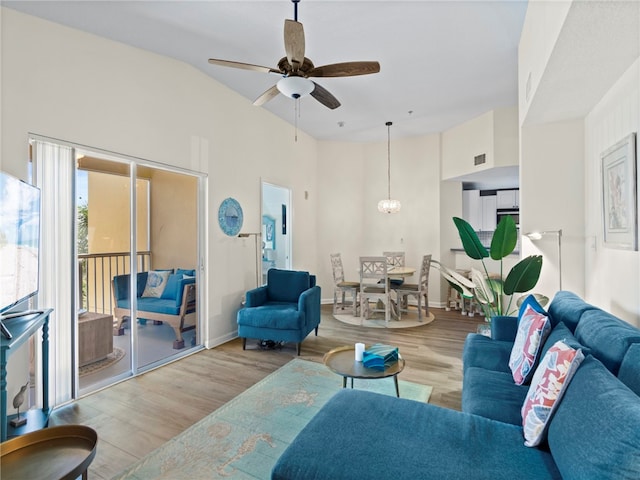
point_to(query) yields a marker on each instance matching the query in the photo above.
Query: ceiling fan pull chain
(296, 114)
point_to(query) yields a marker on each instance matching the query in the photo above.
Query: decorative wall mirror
(230, 216)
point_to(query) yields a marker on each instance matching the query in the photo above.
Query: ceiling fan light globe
(295, 87)
(389, 205)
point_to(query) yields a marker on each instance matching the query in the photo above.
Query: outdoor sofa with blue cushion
(593, 434)
(176, 306)
(286, 309)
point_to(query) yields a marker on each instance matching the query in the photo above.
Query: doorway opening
(276, 228)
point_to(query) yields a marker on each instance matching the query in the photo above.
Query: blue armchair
(286, 309)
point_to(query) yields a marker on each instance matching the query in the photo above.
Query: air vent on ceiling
(479, 159)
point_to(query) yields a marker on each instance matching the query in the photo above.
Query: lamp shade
(389, 205)
(295, 87)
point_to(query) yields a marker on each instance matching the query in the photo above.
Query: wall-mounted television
(19, 241)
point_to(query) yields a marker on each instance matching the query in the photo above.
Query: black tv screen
(19, 241)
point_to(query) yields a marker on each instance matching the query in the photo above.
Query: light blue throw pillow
(156, 283)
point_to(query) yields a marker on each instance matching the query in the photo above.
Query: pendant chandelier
(389, 205)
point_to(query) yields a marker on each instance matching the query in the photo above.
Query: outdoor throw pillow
(547, 387)
(533, 329)
(156, 283)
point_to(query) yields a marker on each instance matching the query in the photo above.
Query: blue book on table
(380, 356)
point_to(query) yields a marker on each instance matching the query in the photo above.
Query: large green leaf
(470, 241)
(504, 238)
(524, 275)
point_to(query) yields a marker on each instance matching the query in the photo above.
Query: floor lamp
(539, 235)
(255, 235)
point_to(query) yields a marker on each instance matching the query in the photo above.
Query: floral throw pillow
(547, 388)
(533, 329)
(156, 283)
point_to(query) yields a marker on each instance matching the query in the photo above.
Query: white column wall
(552, 198)
(612, 276)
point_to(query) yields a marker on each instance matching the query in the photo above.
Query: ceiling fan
(296, 69)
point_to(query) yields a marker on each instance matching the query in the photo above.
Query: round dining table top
(401, 271)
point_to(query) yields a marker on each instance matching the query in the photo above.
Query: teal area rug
(244, 438)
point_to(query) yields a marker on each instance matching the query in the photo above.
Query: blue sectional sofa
(286, 309)
(593, 434)
(176, 306)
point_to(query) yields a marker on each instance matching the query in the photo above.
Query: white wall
(552, 198)
(612, 276)
(352, 178)
(578, 95)
(66, 84)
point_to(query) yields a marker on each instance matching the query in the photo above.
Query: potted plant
(488, 292)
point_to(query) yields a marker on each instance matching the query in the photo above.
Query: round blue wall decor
(230, 216)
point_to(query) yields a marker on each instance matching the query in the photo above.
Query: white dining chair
(374, 287)
(395, 259)
(343, 288)
(418, 290)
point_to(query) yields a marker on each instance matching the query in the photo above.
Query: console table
(22, 328)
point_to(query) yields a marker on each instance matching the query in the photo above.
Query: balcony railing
(95, 272)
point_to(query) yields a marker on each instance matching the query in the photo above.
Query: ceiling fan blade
(266, 96)
(244, 66)
(294, 43)
(346, 69)
(324, 97)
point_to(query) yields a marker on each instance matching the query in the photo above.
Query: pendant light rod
(388, 205)
(388, 124)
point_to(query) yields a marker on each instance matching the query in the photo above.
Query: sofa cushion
(171, 290)
(281, 316)
(156, 283)
(561, 332)
(286, 285)
(596, 406)
(188, 272)
(493, 395)
(175, 287)
(482, 351)
(549, 383)
(607, 336)
(567, 307)
(533, 329)
(152, 304)
(629, 372)
(393, 438)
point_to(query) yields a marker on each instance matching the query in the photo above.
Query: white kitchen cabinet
(489, 206)
(508, 198)
(472, 208)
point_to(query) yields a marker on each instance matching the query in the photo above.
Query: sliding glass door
(139, 268)
(124, 239)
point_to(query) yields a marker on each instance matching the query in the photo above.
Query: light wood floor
(137, 416)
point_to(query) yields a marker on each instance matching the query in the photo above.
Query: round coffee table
(342, 361)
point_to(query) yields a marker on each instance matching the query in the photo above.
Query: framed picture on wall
(619, 195)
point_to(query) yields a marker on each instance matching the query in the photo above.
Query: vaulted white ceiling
(442, 62)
